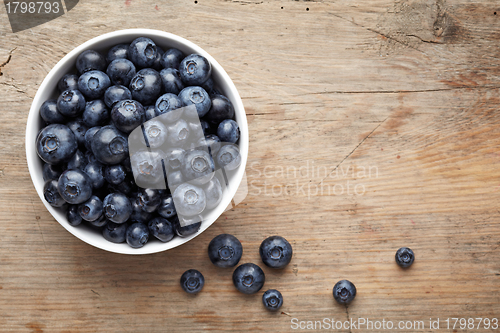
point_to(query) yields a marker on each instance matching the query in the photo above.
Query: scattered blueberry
(90, 60)
(74, 186)
(56, 143)
(272, 300)
(405, 257)
(121, 72)
(51, 194)
(225, 250)
(71, 103)
(192, 281)
(95, 113)
(228, 131)
(91, 209)
(50, 114)
(161, 228)
(93, 84)
(344, 292)
(137, 235)
(248, 278)
(115, 94)
(117, 207)
(195, 70)
(275, 252)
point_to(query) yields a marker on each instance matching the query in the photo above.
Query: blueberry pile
(138, 142)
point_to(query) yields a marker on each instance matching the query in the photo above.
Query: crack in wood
(7, 61)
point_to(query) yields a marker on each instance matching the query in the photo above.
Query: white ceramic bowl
(48, 89)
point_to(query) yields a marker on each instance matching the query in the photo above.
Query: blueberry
(117, 207)
(146, 86)
(96, 174)
(56, 143)
(90, 157)
(115, 94)
(228, 157)
(74, 186)
(248, 278)
(175, 158)
(68, 82)
(109, 145)
(90, 60)
(71, 103)
(221, 109)
(79, 129)
(89, 135)
(157, 64)
(225, 250)
(208, 85)
(119, 51)
(185, 227)
(205, 127)
(167, 103)
(196, 131)
(272, 300)
(121, 72)
(195, 70)
(101, 221)
(51, 172)
(143, 52)
(93, 84)
(115, 174)
(192, 281)
(189, 199)
(91, 209)
(138, 213)
(147, 168)
(344, 292)
(178, 133)
(115, 232)
(137, 235)
(228, 131)
(78, 161)
(95, 113)
(197, 96)
(213, 192)
(126, 187)
(149, 112)
(50, 114)
(275, 252)
(175, 178)
(171, 58)
(161, 228)
(127, 115)
(73, 216)
(210, 142)
(155, 133)
(51, 194)
(198, 167)
(171, 80)
(166, 209)
(150, 199)
(405, 257)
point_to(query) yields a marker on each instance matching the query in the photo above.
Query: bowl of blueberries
(137, 141)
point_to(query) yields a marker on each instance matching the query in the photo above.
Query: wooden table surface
(373, 125)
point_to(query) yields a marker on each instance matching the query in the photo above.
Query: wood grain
(406, 89)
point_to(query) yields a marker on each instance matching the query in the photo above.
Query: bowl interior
(48, 89)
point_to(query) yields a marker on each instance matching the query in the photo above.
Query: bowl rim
(32, 130)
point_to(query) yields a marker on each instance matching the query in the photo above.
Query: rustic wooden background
(406, 89)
